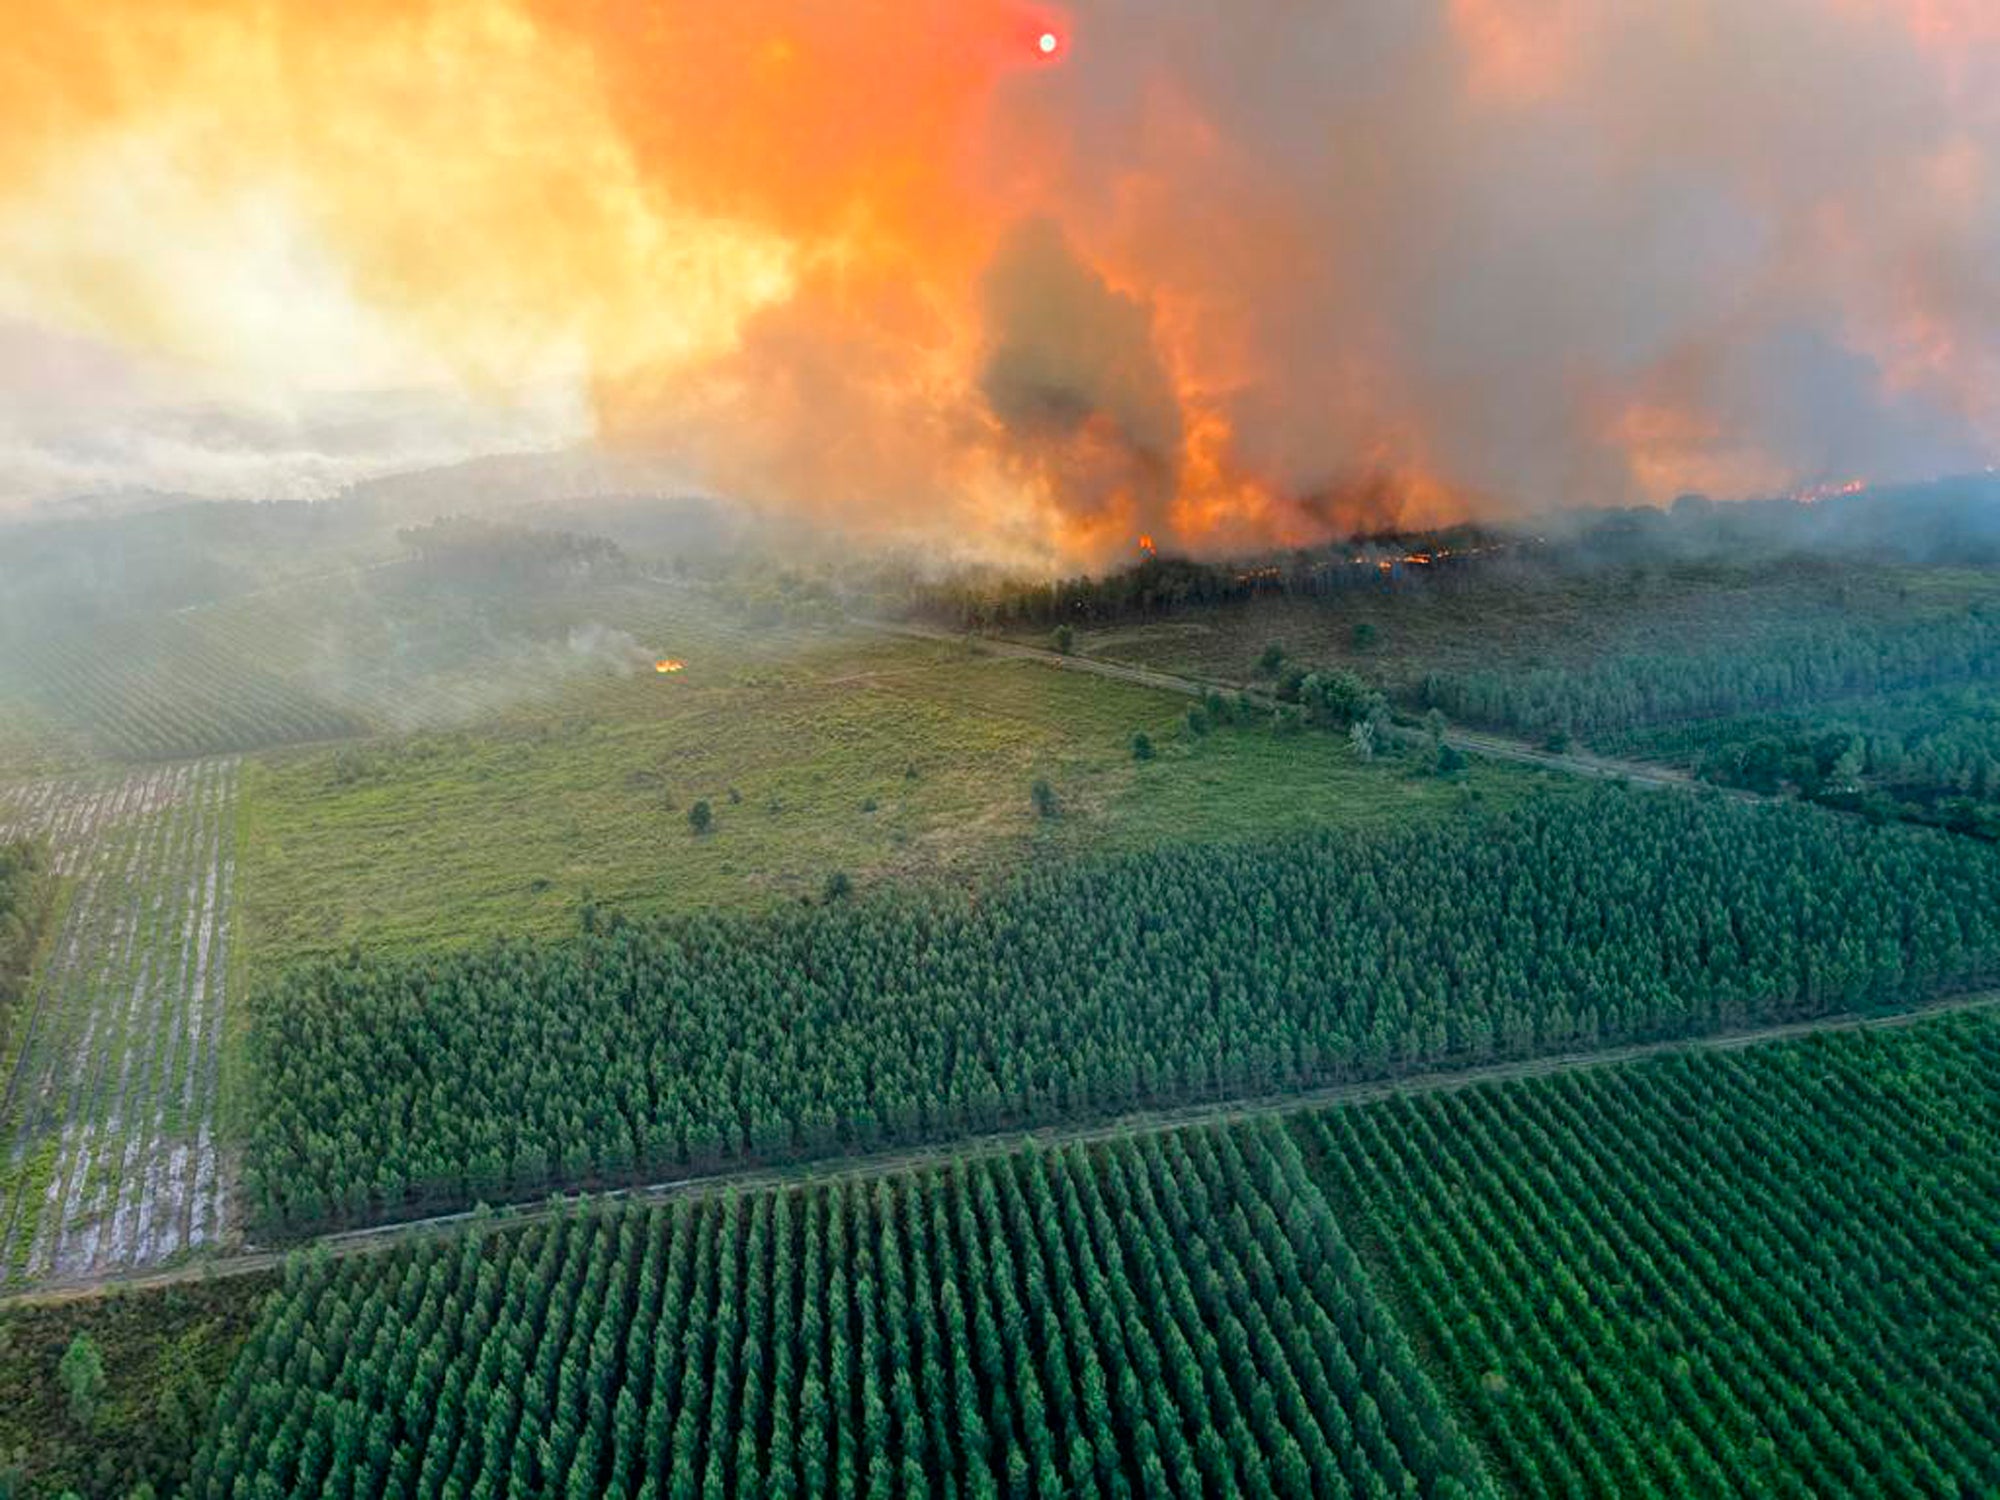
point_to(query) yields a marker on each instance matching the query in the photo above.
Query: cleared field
(111, 1157)
(818, 752)
(1770, 1273)
(1175, 1316)
(397, 653)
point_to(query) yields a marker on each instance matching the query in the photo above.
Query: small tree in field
(701, 817)
(81, 1374)
(1142, 746)
(1044, 797)
(1064, 639)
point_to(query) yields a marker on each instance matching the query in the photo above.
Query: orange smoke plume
(1047, 278)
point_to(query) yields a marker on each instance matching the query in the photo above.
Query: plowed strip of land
(108, 1155)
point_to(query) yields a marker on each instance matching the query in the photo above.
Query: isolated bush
(1044, 797)
(81, 1375)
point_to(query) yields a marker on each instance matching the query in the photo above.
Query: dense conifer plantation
(1928, 756)
(1175, 1316)
(387, 1086)
(1783, 670)
(1770, 1273)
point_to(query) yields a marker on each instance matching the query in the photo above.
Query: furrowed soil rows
(108, 1124)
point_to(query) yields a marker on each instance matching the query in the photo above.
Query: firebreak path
(391, 1236)
(1494, 746)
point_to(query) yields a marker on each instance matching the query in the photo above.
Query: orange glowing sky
(1217, 274)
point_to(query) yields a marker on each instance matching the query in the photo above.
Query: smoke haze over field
(1227, 273)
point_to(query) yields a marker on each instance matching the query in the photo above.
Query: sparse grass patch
(885, 759)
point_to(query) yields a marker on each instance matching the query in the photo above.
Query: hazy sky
(1221, 270)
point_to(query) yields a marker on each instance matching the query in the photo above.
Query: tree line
(389, 1085)
(1930, 756)
(1625, 692)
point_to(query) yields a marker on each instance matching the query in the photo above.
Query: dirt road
(389, 1236)
(1493, 746)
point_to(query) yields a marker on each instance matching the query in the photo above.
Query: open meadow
(818, 752)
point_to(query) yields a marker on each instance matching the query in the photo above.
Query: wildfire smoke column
(937, 268)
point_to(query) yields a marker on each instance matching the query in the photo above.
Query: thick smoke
(1071, 375)
(1223, 272)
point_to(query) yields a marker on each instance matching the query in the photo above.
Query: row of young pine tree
(387, 1086)
(1178, 1315)
(1623, 692)
(24, 892)
(1769, 1273)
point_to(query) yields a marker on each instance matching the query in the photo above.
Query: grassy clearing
(881, 759)
(165, 1354)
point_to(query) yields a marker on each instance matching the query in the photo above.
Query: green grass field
(881, 759)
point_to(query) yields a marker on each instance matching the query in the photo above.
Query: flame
(669, 664)
(1146, 545)
(1812, 494)
(751, 240)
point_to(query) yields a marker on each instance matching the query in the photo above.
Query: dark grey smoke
(1072, 373)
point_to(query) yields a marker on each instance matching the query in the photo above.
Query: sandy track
(108, 1156)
